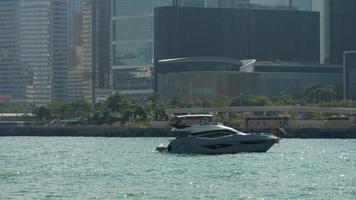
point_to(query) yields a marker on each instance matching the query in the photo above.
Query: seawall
(97, 131)
(84, 132)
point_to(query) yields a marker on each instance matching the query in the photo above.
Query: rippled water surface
(128, 168)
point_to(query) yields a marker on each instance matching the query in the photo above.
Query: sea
(130, 168)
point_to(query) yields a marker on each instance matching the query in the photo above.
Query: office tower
(75, 22)
(13, 79)
(96, 47)
(44, 48)
(132, 43)
(89, 58)
(265, 35)
(59, 43)
(349, 58)
(337, 28)
(323, 7)
(75, 71)
(342, 28)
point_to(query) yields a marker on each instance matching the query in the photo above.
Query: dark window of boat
(217, 146)
(253, 142)
(213, 134)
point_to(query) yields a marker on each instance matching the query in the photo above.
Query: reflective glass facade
(202, 86)
(44, 48)
(132, 78)
(204, 81)
(132, 26)
(265, 35)
(96, 47)
(295, 84)
(13, 77)
(350, 75)
(132, 39)
(132, 43)
(342, 28)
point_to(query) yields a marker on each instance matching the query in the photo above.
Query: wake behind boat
(208, 137)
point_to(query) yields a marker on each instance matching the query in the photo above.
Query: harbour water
(129, 168)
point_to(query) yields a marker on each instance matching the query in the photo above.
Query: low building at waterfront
(200, 79)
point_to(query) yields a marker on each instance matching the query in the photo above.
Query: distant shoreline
(98, 131)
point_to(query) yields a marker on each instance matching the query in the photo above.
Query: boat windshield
(183, 121)
(213, 134)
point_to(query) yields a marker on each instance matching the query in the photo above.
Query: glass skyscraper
(96, 47)
(34, 50)
(12, 75)
(349, 75)
(44, 48)
(132, 42)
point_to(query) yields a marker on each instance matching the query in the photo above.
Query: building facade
(342, 28)
(96, 47)
(13, 77)
(337, 28)
(132, 43)
(44, 40)
(205, 78)
(265, 35)
(350, 75)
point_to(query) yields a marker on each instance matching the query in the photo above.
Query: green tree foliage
(340, 104)
(129, 110)
(43, 113)
(251, 100)
(285, 100)
(115, 102)
(102, 114)
(62, 108)
(220, 101)
(154, 109)
(179, 103)
(15, 108)
(320, 94)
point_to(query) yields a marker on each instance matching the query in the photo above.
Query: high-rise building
(237, 33)
(349, 75)
(43, 33)
(342, 28)
(75, 72)
(96, 46)
(13, 77)
(337, 28)
(132, 43)
(323, 7)
(75, 22)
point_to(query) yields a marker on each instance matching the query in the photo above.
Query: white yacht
(208, 137)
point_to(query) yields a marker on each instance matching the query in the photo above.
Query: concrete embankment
(310, 133)
(98, 131)
(84, 132)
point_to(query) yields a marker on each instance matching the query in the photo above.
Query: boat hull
(223, 145)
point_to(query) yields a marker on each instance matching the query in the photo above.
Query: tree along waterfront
(119, 110)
